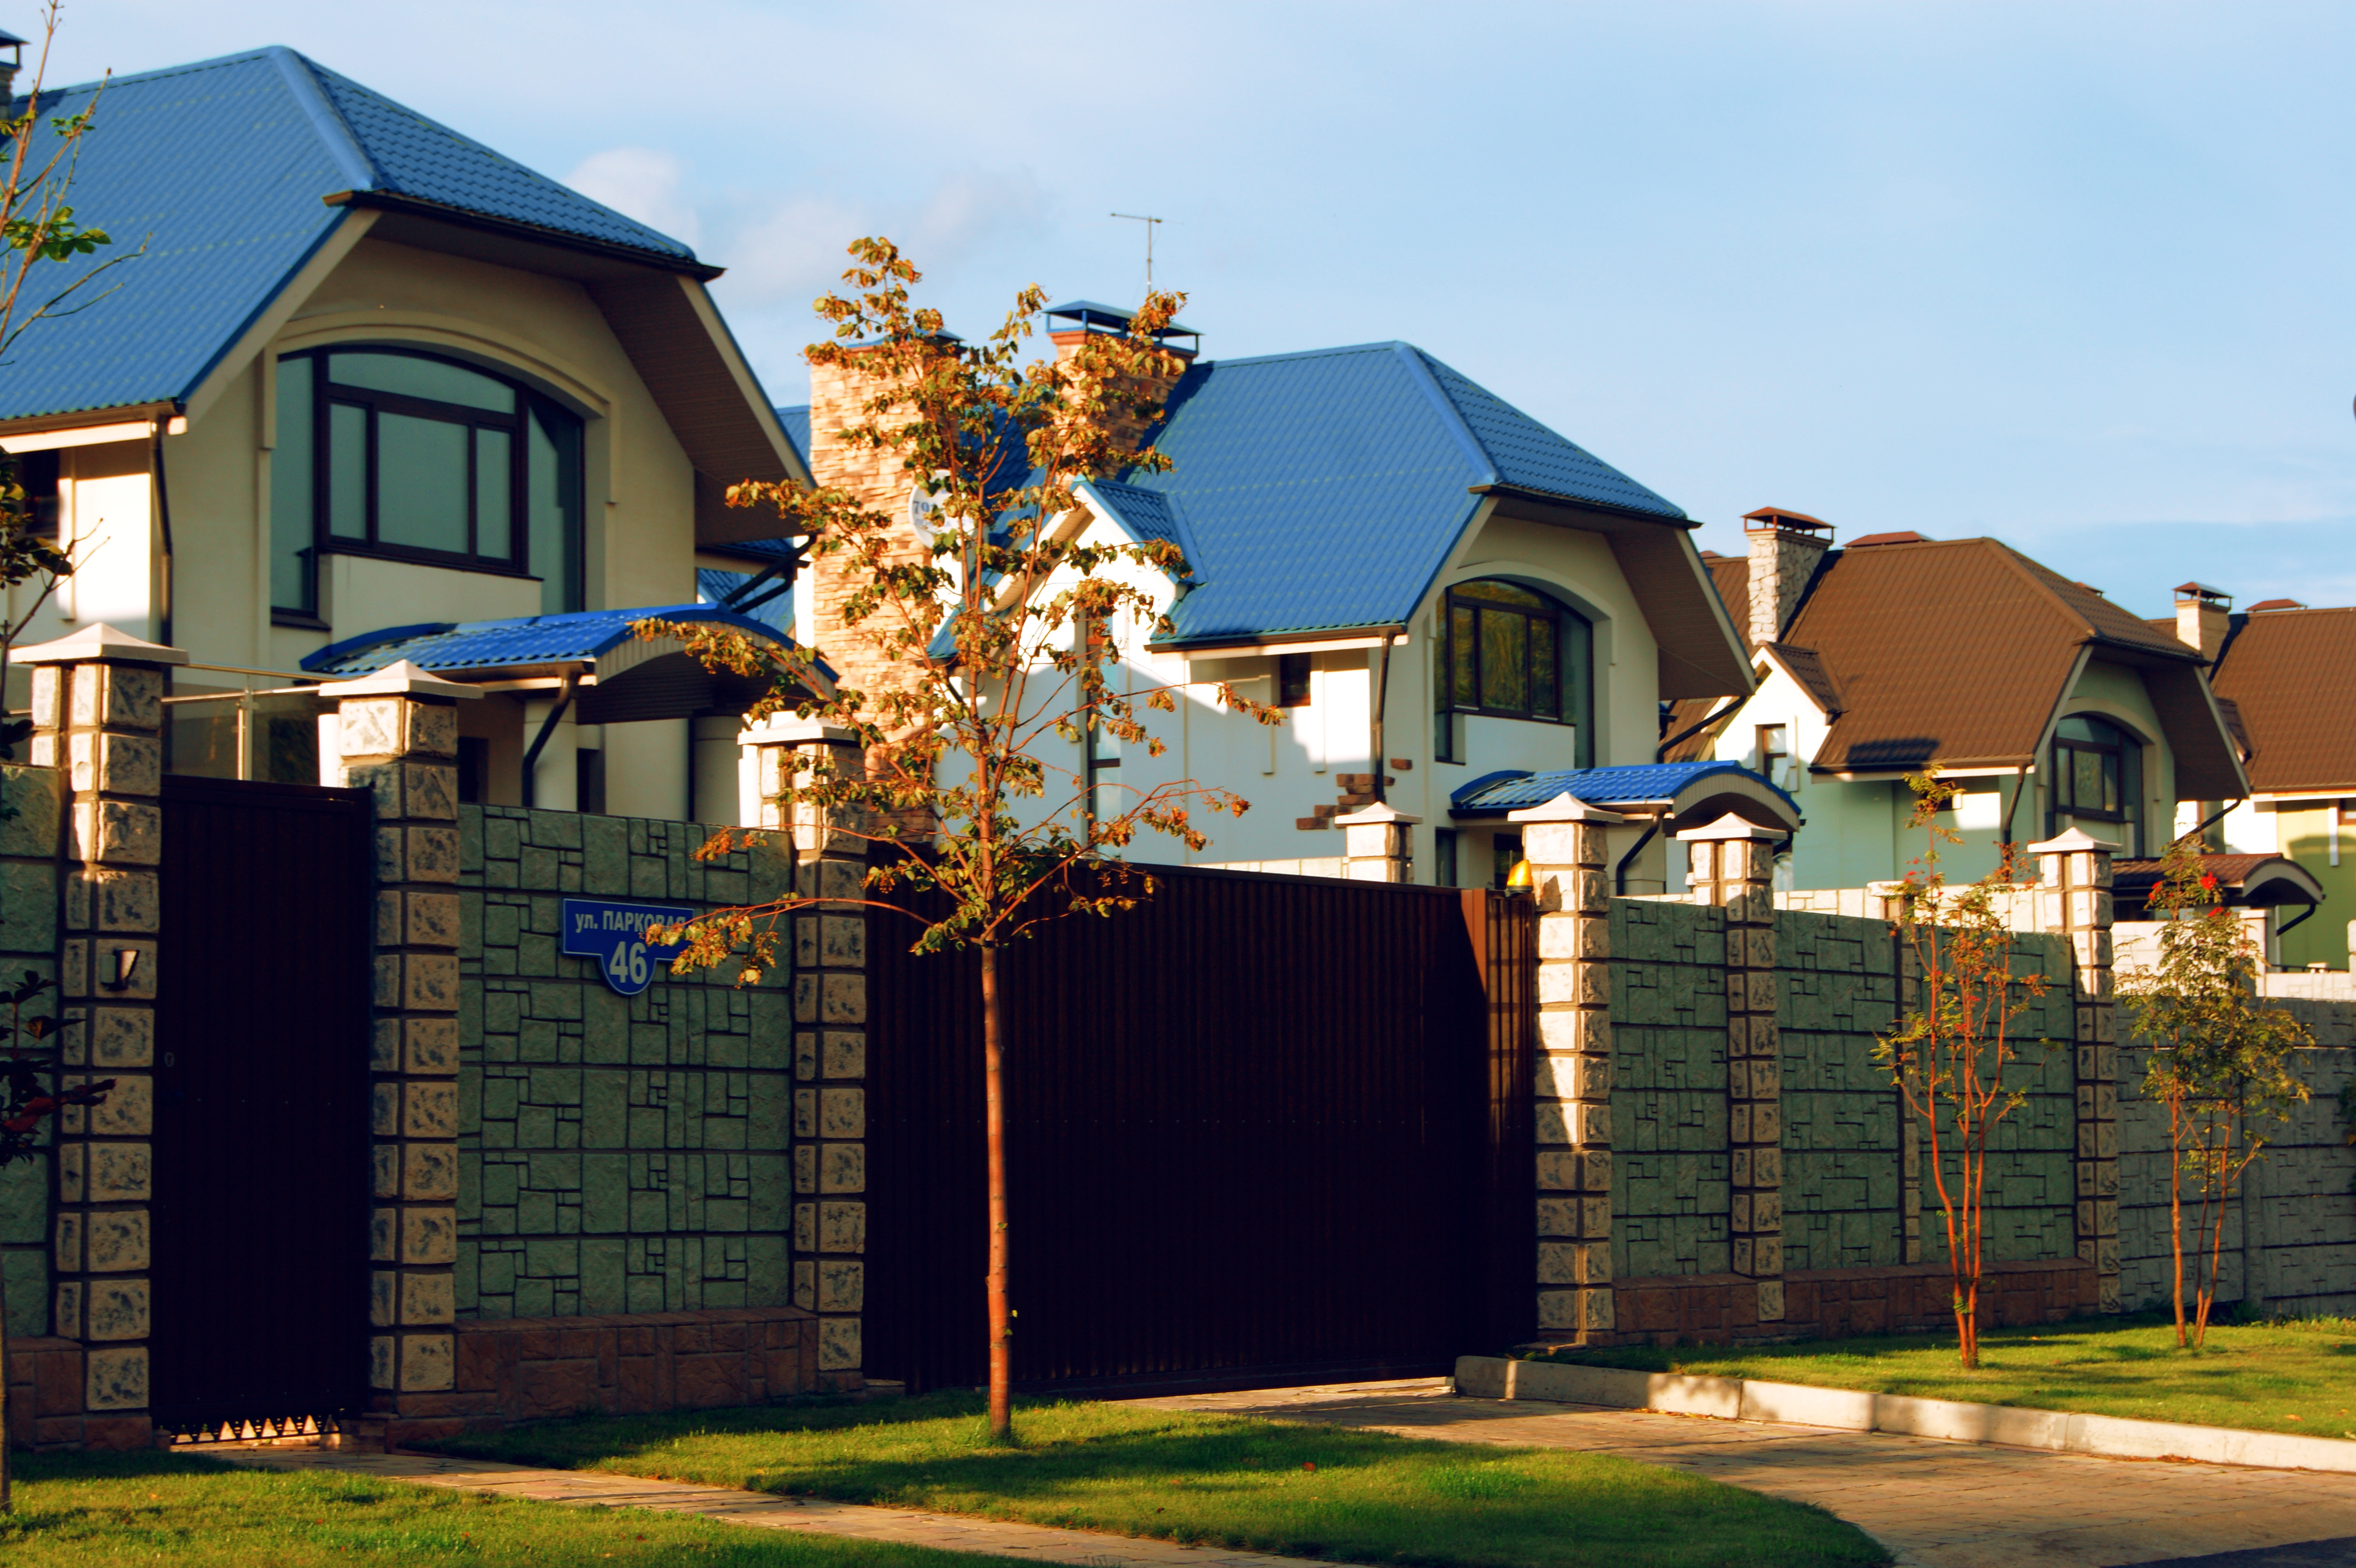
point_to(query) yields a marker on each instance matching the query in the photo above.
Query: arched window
(2097, 781)
(389, 451)
(1515, 653)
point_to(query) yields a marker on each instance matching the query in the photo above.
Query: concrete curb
(1848, 1410)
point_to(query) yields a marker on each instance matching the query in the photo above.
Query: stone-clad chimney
(12, 60)
(1784, 549)
(2202, 614)
(1068, 326)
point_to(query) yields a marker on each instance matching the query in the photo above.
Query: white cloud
(793, 251)
(641, 183)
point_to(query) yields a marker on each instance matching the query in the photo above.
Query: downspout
(548, 727)
(163, 519)
(2223, 811)
(2019, 788)
(1375, 712)
(1620, 871)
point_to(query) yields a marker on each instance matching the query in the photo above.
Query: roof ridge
(1308, 353)
(2021, 565)
(242, 57)
(1420, 365)
(344, 144)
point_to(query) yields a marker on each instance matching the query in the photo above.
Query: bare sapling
(1006, 634)
(1952, 1048)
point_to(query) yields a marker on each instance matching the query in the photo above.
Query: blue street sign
(613, 933)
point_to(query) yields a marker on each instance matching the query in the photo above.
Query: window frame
(1767, 758)
(531, 406)
(1569, 702)
(2126, 759)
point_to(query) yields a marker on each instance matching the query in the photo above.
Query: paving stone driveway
(1936, 1504)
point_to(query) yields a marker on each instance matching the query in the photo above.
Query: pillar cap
(1730, 826)
(1374, 815)
(92, 643)
(1564, 808)
(399, 679)
(2074, 840)
(797, 731)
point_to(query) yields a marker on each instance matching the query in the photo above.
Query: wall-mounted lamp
(126, 962)
(1522, 879)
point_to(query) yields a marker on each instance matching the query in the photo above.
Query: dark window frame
(1296, 679)
(1573, 706)
(1767, 758)
(2124, 774)
(327, 394)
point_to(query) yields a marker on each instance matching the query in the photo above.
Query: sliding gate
(1260, 1129)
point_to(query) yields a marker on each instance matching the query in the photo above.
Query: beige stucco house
(372, 385)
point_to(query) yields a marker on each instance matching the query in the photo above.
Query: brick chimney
(1784, 549)
(2202, 614)
(1068, 326)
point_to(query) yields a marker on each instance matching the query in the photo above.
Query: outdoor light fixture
(126, 961)
(1521, 879)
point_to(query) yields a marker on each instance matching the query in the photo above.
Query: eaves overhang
(515, 228)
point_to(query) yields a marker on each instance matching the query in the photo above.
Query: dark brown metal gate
(1260, 1129)
(261, 1126)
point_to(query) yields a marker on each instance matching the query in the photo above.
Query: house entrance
(262, 1186)
(1260, 1129)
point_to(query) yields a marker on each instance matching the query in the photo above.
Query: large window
(2098, 780)
(393, 452)
(1515, 653)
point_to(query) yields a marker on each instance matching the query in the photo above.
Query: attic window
(388, 451)
(1293, 679)
(1515, 653)
(2098, 780)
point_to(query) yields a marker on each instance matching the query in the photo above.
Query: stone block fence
(1721, 1159)
(584, 1200)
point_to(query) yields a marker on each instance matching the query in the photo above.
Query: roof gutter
(465, 218)
(1634, 514)
(1298, 642)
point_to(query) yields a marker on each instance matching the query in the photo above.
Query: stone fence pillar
(830, 1120)
(2074, 897)
(397, 737)
(1380, 843)
(98, 713)
(1733, 866)
(1563, 842)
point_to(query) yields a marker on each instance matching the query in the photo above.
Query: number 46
(629, 964)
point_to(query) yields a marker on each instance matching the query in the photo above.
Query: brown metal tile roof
(1957, 651)
(1808, 667)
(2292, 674)
(1731, 574)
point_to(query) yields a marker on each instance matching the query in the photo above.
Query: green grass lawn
(2298, 1376)
(1214, 1479)
(86, 1509)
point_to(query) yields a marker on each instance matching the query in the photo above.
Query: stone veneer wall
(2293, 1224)
(1845, 1175)
(617, 1154)
(30, 801)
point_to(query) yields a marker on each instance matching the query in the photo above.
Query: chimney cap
(1088, 316)
(2278, 605)
(1777, 517)
(2203, 593)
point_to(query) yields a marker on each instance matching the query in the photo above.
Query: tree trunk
(2176, 1209)
(1001, 1314)
(8, 1505)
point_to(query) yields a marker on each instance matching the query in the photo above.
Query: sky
(2075, 275)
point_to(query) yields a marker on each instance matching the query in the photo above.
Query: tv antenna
(1148, 222)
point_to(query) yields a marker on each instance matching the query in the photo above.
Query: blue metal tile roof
(774, 609)
(1608, 787)
(531, 639)
(221, 166)
(797, 422)
(1326, 489)
(1150, 516)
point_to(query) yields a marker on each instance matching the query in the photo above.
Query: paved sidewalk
(597, 1488)
(1936, 1504)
